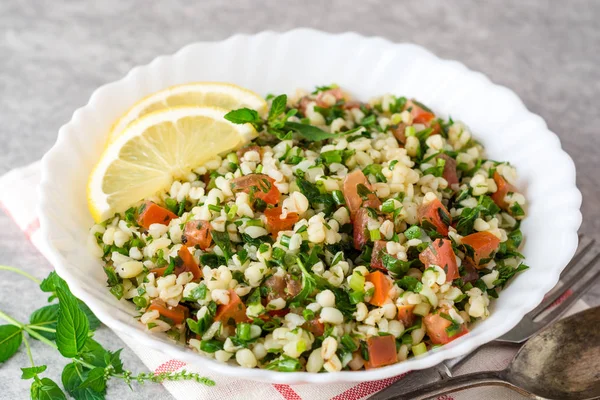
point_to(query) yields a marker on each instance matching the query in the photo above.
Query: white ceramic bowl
(272, 62)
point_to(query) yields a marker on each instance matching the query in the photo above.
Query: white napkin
(18, 199)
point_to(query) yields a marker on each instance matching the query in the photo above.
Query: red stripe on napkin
(287, 392)
(169, 366)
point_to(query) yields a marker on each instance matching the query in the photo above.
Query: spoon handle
(457, 383)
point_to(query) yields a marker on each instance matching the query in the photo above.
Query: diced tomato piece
(436, 329)
(382, 285)
(359, 229)
(285, 287)
(353, 199)
(315, 326)
(406, 315)
(440, 253)
(382, 351)
(419, 114)
(240, 152)
(189, 263)
(355, 104)
(176, 314)
(263, 187)
(235, 309)
(503, 189)
(435, 214)
(483, 245)
(337, 93)
(436, 128)
(151, 213)
(276, 224)
(400, 133)
(379, 247)
(450, 174)
(197, 233)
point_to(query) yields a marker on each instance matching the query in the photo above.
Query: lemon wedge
(215, 94)
(156, 149)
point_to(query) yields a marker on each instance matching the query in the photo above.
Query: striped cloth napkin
(20, 203)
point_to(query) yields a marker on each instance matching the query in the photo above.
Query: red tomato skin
(503, 189)
(353, 199)
(379, 247)
(420, 115)
(359, 230)
(450, 174)
(235, 309)
(440, 253)
(261, 183)
(197, 233)
(176, 314)
(406, 316)
(152, 213)
(382, 351)
(430, 212)
(276, 224)
(484, 245)
(436, 329)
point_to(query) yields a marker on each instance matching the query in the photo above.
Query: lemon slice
(216, 94)
(154, 150)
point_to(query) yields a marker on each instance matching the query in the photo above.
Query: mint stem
(21, 272)
(11, 320)
(28, 350)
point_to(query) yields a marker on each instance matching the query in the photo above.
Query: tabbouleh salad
(347, 235)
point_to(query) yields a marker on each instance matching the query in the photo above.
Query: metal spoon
(561, 362)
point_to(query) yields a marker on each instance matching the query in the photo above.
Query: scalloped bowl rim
(459, 347)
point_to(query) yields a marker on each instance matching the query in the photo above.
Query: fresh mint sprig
(68, 326)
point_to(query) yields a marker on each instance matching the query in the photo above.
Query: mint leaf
(92, 319)
(115, 361)
(277, 107)
(10, 340)
(31, 372)
(46, 389)
(73, 326)
(49, 284)
(47, 317)
(93, 353)
(95, 380)
(72, 377)
(243, 116)
(310, 132)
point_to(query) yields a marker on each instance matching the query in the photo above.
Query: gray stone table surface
(53, 54)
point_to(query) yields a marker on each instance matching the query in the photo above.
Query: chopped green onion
(414, 232)
(419, 349)
(214, 208)
(349, 343)
(210, 346)
(254, 222)
(357, 282)
(308, 315)
(278, 253)
(338, 197)
(263, 248)
(259, 168)
(140, 301)
(285, 241)
(243, 331)
(356, 297)
(410, 131)
(375, 234)
(388, 206)
(233, 158)
(231, 214)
